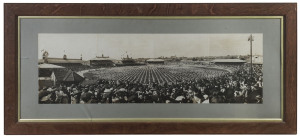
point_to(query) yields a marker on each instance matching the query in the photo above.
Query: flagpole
(251, 39)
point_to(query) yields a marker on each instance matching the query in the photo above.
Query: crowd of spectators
(237, 87)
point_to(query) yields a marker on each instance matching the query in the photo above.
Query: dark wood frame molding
(12, 11)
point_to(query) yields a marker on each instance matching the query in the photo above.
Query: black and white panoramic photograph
(150, 68)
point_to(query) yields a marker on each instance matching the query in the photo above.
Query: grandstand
(70, 63)
(155, 61)
(100, 62)
(228, 61)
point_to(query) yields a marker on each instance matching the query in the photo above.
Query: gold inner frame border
(157, 119)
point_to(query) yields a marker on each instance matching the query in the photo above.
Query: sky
(147, 45)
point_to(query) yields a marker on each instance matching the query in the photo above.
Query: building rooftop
(101, 58)
(155, 60)
(60, 60)
(49, 66)
(229, 60)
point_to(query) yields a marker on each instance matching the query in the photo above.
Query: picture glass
(97, 68)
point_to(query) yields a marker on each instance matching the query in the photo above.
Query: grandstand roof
(49, 66)
(61, 60)
(155, 60)
(229, 60)
(102, 58)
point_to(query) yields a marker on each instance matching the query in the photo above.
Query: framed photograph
(150, 68)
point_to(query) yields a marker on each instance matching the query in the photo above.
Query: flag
(250, 38)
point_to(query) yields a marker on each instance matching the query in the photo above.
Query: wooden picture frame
(11, 104)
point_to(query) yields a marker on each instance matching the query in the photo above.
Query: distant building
(142, 60)
(51, 75)
(100, 62)
(183, 58)
(228, 61)
(128, 61)
(173, 57)
(65, 62)
(46, 77)
(155, 61)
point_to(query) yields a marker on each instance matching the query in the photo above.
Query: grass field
(154, 73)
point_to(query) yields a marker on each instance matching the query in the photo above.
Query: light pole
(250, 39)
